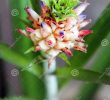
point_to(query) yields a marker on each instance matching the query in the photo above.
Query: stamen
(49, 42)
(62, 34)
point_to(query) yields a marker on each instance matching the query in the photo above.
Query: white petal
(74, 29)
(82, 17)
(32, 13)
(52, 39)
(69, 36)
(53, 26)
(53, 52)
(44, 33)
(75, 32)
(43, 45)
(75, 35)
(81, 8)
(62, 25)
(60, 45)
(34, 38)
(46, 27)
(59, 38)
(70, 22)
(37, 33)
(81, 44)
(69, 45)
(68, 26)
(84, 23)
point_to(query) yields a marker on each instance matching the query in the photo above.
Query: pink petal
(28, 29)
(81, 8)
(67, 51)
(32, 13)
(37, 48)
(85, 22)
(46, 27)
(85, 32)
(23, 32)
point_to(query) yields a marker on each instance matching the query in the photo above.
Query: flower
(52, 34)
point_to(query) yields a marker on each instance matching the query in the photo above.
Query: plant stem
(51, 81)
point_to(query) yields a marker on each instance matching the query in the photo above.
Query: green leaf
(25, 22)
(60, 9)
(24, 43)
(23, 62)
(16, 98)
(19, 60)
(36, 5)
(83, 74)
(65, 58)
(29, 50)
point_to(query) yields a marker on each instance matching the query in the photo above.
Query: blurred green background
(22, 78)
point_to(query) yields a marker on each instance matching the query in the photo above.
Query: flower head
(58, 28)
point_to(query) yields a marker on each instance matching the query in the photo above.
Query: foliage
(62, 8)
